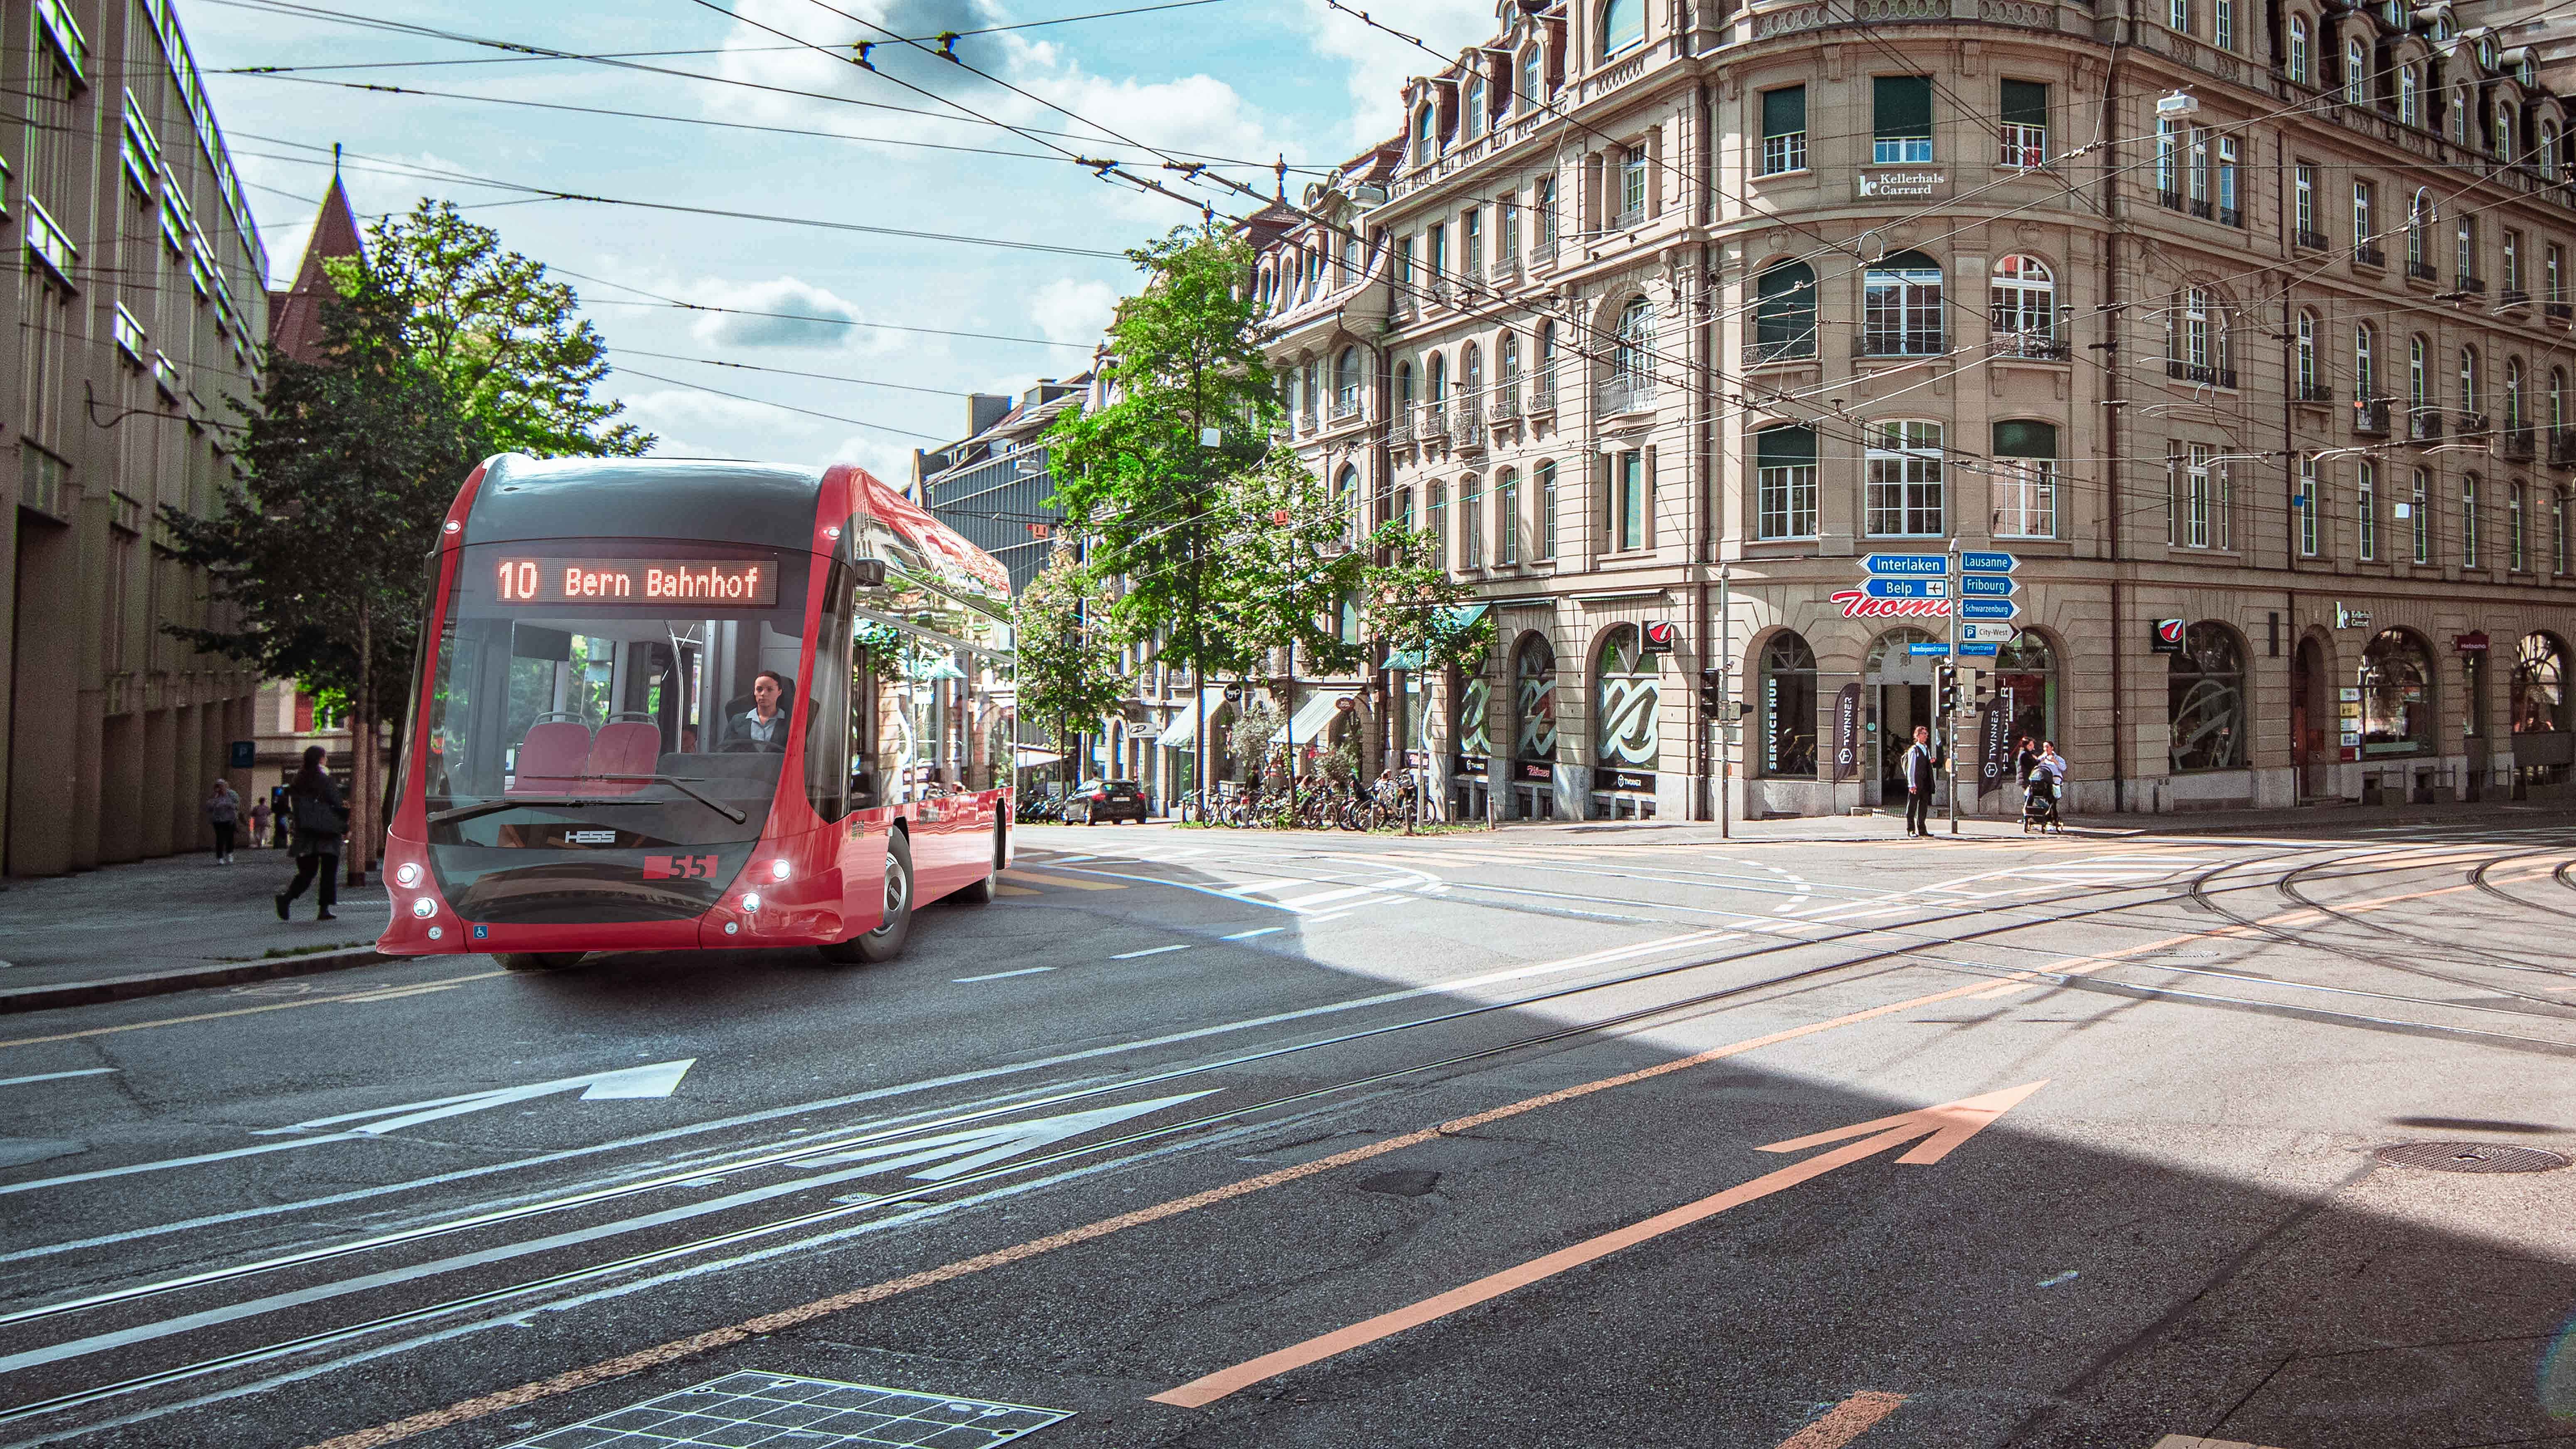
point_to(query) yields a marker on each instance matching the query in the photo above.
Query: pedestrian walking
(321, 818)
(1922, 771)
(259, 813)
(223, 811)
(281, 814)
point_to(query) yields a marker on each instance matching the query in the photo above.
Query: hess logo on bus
(679, 867)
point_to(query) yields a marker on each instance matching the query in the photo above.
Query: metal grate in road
(787, 1411)
(2472, 1157)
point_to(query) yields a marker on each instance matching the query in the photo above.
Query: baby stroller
(2039, 802)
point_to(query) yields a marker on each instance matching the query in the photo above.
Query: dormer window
(1533, 76)
(1473, 124)
(1623, 27)
(1426, 137)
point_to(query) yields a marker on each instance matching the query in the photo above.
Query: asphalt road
(1218, 1138)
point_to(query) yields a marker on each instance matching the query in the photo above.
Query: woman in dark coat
(321, 817)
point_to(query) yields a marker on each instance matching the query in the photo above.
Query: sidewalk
(170, 924)
(1890, 824)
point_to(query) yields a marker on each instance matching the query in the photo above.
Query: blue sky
(1246, 80)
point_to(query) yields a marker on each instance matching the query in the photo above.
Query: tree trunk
(358, 850)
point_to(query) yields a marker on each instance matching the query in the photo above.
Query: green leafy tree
(507, 342)
(1289, 571)
(1067, 645)
(1135, 475)
(1414, 605)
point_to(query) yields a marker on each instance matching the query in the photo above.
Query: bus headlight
(778, 870)
(424, 907)
(751, 900)
(407, 874)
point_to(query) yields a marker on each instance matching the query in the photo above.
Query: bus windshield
(613, 693)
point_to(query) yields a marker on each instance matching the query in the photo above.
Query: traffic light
(1947, 680)
(1712, 692)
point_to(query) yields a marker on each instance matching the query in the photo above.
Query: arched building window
(1788, 708)
(2356, 73)
(1346, 383)
(2205, 694)
(2026, 671)
(1534, 701)
(2311, 380)
(2302, 65)
(2539, 685)
(1473, 123)
(1533, 74)
(2396, 695)
(1627, 698)
(1623, 25)
(2410, 95)
(2365, 370)
(1632, 361)
(2024, 298)
(1346, 499)
(1784, 313)
(2420, 219)
(1900, 308)
(1426, 139)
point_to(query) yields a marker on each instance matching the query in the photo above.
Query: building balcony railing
(1399, 429)
(1434, 423)
(2314, 241)
(2474, 428)
(1900, 344)
(1623, 393)
(1306, 421)
(2562, 448)
(2315, 392)
(1506, 269)
(2169, 200)
(1543, 393)
(1467, 423)
(1346, 406)
(2209, 373)
(2424, 425)
(1507, 400)
(2370, 417)
(1629, 220)
(2036, 346)
(2471, 284)
(2558, 311)
(1444, 291)
(2519, 443)
(2369, 257)
(2201, 207)
(1787, 349)
(2513, 297)
(1543, 249)
(2231, 216)
(2421, 272)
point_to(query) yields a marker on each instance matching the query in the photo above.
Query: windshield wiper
(555, 802)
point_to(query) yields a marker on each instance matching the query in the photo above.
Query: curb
(156, 983)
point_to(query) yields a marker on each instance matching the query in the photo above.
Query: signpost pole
(1725, 649)
(1956, 701)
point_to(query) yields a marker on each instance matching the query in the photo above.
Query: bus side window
(827, 765)
(867, 790)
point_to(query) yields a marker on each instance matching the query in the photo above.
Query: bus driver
(763, 727)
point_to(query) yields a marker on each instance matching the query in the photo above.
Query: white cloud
(889, 460)
(1070, 311)
(1380, 64)
(807, 316)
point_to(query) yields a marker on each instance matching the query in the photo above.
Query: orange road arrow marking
(1943, 1127)
(1847, 1421)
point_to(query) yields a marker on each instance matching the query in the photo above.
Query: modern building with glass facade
(1662, 319)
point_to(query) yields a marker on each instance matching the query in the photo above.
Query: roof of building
(1032, 413)
(295, 315)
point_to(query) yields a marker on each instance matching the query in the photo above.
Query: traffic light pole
(1951, 723)
(1723, 646)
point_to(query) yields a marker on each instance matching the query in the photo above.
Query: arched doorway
(1472, 769)
(1896, 685)
(1534, 729)
(1627, 700)
(2543, 748)
(1788, 709)
(2311, 715)
(2026, 669)
(2205, 701)
(2396, 696)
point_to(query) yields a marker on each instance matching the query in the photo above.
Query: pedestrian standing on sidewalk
(223, 811)
(321, 818)
(282, 813)
(1922, 770)
(259, 823)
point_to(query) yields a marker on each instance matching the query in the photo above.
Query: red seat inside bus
(624, 747)
(551, 758)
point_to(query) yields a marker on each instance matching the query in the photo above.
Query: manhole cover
(2471, 1157)
(789, 1411)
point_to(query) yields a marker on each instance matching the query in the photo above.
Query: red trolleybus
(696, 705)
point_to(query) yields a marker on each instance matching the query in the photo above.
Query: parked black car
(1096, 800)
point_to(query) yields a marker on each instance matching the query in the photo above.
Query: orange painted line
(1942, 1127)
(482, 1406)
(364, 994)
(1847, 1421)
(1062, 882)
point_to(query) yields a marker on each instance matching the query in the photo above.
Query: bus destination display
(734, 583)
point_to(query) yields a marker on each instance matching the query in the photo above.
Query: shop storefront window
(2396, 696)
(1534, 729)
(2539, 685)
(1626, 700)
(2205, 693)
(2026, 669)
(1788, 702)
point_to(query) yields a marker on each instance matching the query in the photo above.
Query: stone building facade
(1664, 317)
(134, 322)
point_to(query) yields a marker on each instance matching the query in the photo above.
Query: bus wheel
(981, 893)
(886, 941)
(537, 960)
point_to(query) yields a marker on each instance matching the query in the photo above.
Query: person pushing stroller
(2043, 779)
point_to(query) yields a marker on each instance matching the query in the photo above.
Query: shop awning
(1182, 732)
(1460, 616)
(1313, 717)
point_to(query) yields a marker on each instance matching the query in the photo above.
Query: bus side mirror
(868, 573)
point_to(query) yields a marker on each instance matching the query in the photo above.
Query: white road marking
(1151, 951)
(1260, 931)
(999, 975)
(55, 1076)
